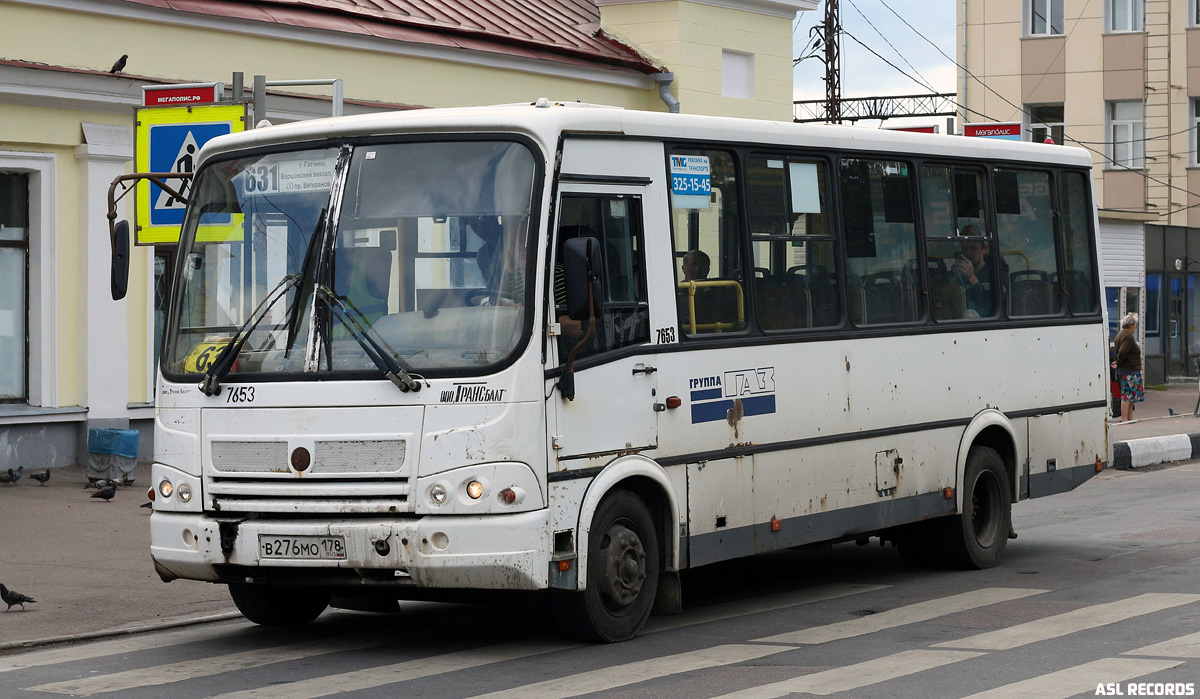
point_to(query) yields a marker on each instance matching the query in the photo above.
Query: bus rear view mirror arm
(581, 267)
(118, 231)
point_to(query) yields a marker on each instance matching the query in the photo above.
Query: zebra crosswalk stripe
(770, 603)
(844, 679)
(1082, 619)
(1183, 647)
(901, 616)
(369, 678)
(100, 649)
(1078, 679)
(631, 673)
(202, 667)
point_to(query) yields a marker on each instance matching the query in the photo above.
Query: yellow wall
(687, 38)
(58, 131)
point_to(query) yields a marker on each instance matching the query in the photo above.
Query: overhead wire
(1086, 145)
(866, 19)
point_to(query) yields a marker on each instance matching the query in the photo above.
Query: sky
(865, 75)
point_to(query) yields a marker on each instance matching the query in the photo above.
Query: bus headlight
(503, 487)
(184, 492)
(165, 488)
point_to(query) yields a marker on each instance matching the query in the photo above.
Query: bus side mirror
(119, 280)
(581, 266)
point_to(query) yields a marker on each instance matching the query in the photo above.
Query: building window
(1195, 139)
(1125, 125)
(1124, 15)
(1045, 17)
(1046, 121)
(14, 266)
(737, 74)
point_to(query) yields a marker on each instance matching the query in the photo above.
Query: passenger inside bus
(695, 266)
(975, 274)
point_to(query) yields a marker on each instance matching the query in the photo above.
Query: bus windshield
(319, 259)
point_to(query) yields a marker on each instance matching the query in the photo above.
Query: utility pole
(833, 60)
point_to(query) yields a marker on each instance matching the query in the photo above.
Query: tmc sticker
(713, 396)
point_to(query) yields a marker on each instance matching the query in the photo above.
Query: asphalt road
(1101, 588)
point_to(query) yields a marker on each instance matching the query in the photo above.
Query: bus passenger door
(613, 411)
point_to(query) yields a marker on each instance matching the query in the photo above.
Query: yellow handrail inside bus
(691, 287)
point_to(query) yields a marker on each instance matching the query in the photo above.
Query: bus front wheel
(268, 605)
(976, 538)
(622, 573)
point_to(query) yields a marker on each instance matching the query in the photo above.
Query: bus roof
(544, 120)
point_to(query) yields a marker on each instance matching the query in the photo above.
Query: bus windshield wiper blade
(384, 360)
(211, 385)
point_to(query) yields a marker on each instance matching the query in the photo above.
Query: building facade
(1120, 78)
(70, 357)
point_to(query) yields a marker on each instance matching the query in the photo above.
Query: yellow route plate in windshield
(200, 359)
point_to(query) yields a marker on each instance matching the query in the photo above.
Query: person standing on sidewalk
(1129, 366)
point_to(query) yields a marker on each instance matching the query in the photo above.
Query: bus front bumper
(487, 552)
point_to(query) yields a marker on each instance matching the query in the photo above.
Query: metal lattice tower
(833, 62)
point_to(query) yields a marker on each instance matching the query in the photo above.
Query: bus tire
(268, 605)
(622, 573)
(975, 539)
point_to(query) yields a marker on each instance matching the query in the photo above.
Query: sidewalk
(87, 563)
(1163, 428)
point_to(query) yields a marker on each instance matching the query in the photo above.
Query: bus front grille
(308, 495)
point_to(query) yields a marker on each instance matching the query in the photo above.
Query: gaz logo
(749, 381)
(713, 396)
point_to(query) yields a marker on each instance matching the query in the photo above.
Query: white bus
(579, 349)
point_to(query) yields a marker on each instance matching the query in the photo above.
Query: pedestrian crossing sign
(169, 140)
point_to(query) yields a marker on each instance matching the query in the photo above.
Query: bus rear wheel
(976, 538)
(622, 573)
(269, 605)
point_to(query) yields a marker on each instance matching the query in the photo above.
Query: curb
(1150, 451)
(112, 633)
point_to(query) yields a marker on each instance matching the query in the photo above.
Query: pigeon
(120, 64)
(102, 483)
(106, 494)
(16, 476)
(41, 477)
(8, 478)
(12, 597)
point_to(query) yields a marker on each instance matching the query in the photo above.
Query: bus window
(795, 284)
(709, 272)
(1076, 222)
(880, 241)
(1025, 228)
(959, 262)
(614, 220)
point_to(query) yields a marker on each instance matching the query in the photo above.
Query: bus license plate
(302, 547)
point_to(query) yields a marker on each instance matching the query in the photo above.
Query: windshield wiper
(384, 360)
(211, 385)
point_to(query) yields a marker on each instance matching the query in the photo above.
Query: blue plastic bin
(112, 454)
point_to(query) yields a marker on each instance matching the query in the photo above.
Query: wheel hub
(624, 566)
